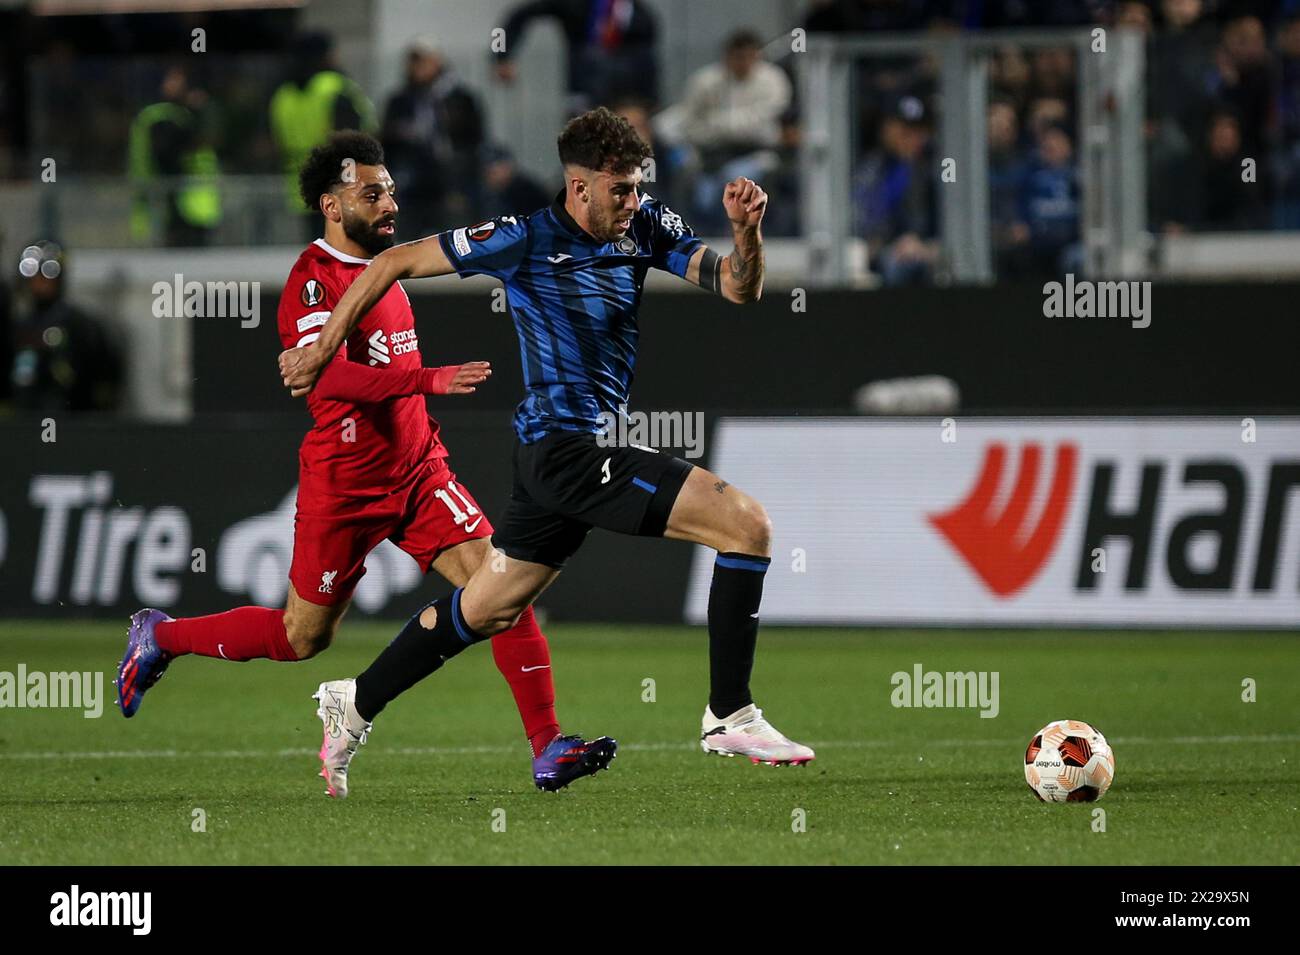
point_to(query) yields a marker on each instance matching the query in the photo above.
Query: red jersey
(357, 448)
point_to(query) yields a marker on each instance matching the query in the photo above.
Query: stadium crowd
(1223, 86)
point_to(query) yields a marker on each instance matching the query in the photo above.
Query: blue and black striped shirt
(574, 300)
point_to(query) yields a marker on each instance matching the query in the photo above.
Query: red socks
(245, 633)
(250, 633)
(524, 659)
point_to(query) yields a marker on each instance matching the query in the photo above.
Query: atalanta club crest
(481, 231)
(627, 245)
(313, 293)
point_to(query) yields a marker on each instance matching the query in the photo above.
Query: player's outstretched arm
(352, 381)
(302, 367)
(739, 276)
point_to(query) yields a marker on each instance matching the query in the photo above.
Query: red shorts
(426, 514)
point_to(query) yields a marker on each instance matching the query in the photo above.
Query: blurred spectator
(1287, 165)
(432, 132)
(314, 101)
(1053, 75)
(637, 112)
(1044, 112)
(1007, 167)
(1009, 75)
(508, 191)
(1135, 15)
(730, 116)
(893, 197)
(1179, 58)
(735, 107)
(1230, 203)
(783, 186)
(611, 48)
(246, 146)
(1173, 197)
(1243, 80)
(64, 359)
(174, 168)
(668, 160)
(878, 80)
(1049, 204)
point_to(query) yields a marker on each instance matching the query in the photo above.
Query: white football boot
(747, 733)
(345, 730)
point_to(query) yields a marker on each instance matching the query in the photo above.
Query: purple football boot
(567, 758)
(144, 662)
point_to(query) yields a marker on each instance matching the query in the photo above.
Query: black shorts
(566, 483)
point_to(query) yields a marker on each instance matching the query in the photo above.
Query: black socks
(414, 653)
(734, 597)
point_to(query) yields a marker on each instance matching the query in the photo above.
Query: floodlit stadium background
(934, 443)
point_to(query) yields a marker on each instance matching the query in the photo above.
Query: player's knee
(308, 643)
(752, 529)
(488, 617)
(498, 621)
(308, 637)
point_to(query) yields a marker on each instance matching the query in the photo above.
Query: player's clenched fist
(745, 202)
(300, 368)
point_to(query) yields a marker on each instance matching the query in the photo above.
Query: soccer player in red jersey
(371, 468)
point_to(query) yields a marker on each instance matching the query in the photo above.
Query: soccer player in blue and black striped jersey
(574, 274)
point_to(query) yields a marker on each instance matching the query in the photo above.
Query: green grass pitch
(1201, 776)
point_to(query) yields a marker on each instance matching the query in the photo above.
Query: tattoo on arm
(746, 262)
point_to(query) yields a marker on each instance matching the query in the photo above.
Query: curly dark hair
(323, 169)
(602, 140)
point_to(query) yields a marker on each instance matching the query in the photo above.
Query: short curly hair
(323, 169)
(602, 140)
